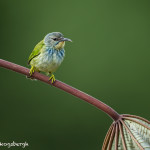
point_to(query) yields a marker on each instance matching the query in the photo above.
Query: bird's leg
(52, 78)
(32, 70)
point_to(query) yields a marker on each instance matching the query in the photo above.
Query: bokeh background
(108, 59)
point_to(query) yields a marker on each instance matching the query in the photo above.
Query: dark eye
(55, 39)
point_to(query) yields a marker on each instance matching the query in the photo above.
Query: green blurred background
(108, 59)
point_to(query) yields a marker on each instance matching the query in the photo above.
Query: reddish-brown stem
(105, 144)
(136, 121)
(122, 136)
(17, 68)
(116, 137)
(137, 117)
(111, 137)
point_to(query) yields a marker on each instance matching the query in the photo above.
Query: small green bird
(48, 54)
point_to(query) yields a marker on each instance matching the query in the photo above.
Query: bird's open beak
(65, 39)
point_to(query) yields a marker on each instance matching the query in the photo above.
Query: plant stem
(20, 69)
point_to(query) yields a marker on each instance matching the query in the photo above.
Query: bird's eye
(55, 39)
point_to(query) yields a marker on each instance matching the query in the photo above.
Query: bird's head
(55, 40)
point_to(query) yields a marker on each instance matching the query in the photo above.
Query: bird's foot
(31, 71)
(52, 78)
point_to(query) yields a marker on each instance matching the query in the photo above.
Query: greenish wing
(36, 51)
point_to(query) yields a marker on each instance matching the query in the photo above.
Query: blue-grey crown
(49, 36)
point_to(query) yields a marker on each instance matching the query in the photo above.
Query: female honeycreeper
(48, 54)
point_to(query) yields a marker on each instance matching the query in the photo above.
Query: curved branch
(17, 68)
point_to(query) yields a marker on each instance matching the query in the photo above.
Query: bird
(48, 54)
